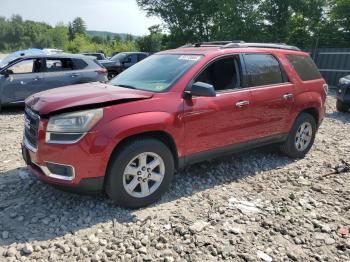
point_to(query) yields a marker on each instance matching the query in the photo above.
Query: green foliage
(16, 34)
(300, 22)
(305, 23)
(152, 42)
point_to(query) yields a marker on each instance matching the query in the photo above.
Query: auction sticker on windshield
(190, 57)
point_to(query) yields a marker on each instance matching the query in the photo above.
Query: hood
(82, 96)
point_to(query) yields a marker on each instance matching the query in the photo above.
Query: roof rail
(262, 45)
(241, 44)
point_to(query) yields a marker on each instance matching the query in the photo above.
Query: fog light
(59, 171)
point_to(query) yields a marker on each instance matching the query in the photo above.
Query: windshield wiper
(127, 86)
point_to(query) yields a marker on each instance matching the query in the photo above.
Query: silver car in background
(28, 75)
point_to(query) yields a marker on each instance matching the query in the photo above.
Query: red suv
(173, 109)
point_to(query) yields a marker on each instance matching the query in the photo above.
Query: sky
(118, 16)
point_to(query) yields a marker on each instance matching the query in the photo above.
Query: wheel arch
(312, 111)
(160, 135)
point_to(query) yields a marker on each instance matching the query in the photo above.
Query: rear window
(305, 67)
(263, 69)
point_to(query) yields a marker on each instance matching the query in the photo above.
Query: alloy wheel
(143, 174)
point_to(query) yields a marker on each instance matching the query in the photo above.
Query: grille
(31, 127)
(347, 90)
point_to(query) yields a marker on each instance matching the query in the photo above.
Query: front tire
(342, 107)
(301, 137)
(139, 173)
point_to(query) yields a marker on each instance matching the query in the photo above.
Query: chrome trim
(49, 141)
(25, 141)
(17, 102)
(28, 145)
(47, 172)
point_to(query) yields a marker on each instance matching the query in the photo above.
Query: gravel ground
(256, 206)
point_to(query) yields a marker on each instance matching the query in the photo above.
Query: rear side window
(263, 69)
(79, 64)
(305, 67)
(58, 64)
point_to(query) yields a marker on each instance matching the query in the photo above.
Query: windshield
(8, 59)
(156, 73)
(118, 57)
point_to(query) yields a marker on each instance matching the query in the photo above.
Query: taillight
(101, 71)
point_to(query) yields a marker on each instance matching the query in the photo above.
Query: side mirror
(7, 73)
(201, 89)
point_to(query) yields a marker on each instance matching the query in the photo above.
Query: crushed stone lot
(253, 206)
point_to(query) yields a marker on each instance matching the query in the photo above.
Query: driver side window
(223, 74)
(26, 67)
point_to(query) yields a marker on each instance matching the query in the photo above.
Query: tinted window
(223, 74)
(79, 64)
(156, 73)
(263, 69)
(142, 56)
(305, 67)
(133, 59)
(118, 57)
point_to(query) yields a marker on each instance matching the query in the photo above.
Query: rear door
(56, 70)
(26, 79)
(65, 71)
(272, 94)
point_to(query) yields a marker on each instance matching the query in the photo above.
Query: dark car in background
(98, 56)
(343, 94)
(27, 75)
(122, 61)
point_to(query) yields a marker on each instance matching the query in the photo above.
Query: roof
(134, 53)
(60, 55)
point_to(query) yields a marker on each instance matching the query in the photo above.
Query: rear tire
(301, 137)
(342, 107)
(139, 173)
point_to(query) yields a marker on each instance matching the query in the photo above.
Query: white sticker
(190, 57)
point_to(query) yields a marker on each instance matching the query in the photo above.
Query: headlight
(77, 122)
(344, 81)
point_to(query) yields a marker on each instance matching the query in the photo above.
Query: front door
(26, 78)
(215, 122)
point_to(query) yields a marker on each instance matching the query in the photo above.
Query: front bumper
(76, 167)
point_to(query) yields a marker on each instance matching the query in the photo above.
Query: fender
(134, 124)
(308, 100)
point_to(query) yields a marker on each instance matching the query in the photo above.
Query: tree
(296, 22)
(153, 42)
(76, 27)
(340, 14)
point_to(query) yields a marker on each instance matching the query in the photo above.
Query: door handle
(288, 96)
(242, 103)
(36, 79)
(74, 75)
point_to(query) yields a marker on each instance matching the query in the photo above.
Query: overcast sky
(119, 16)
